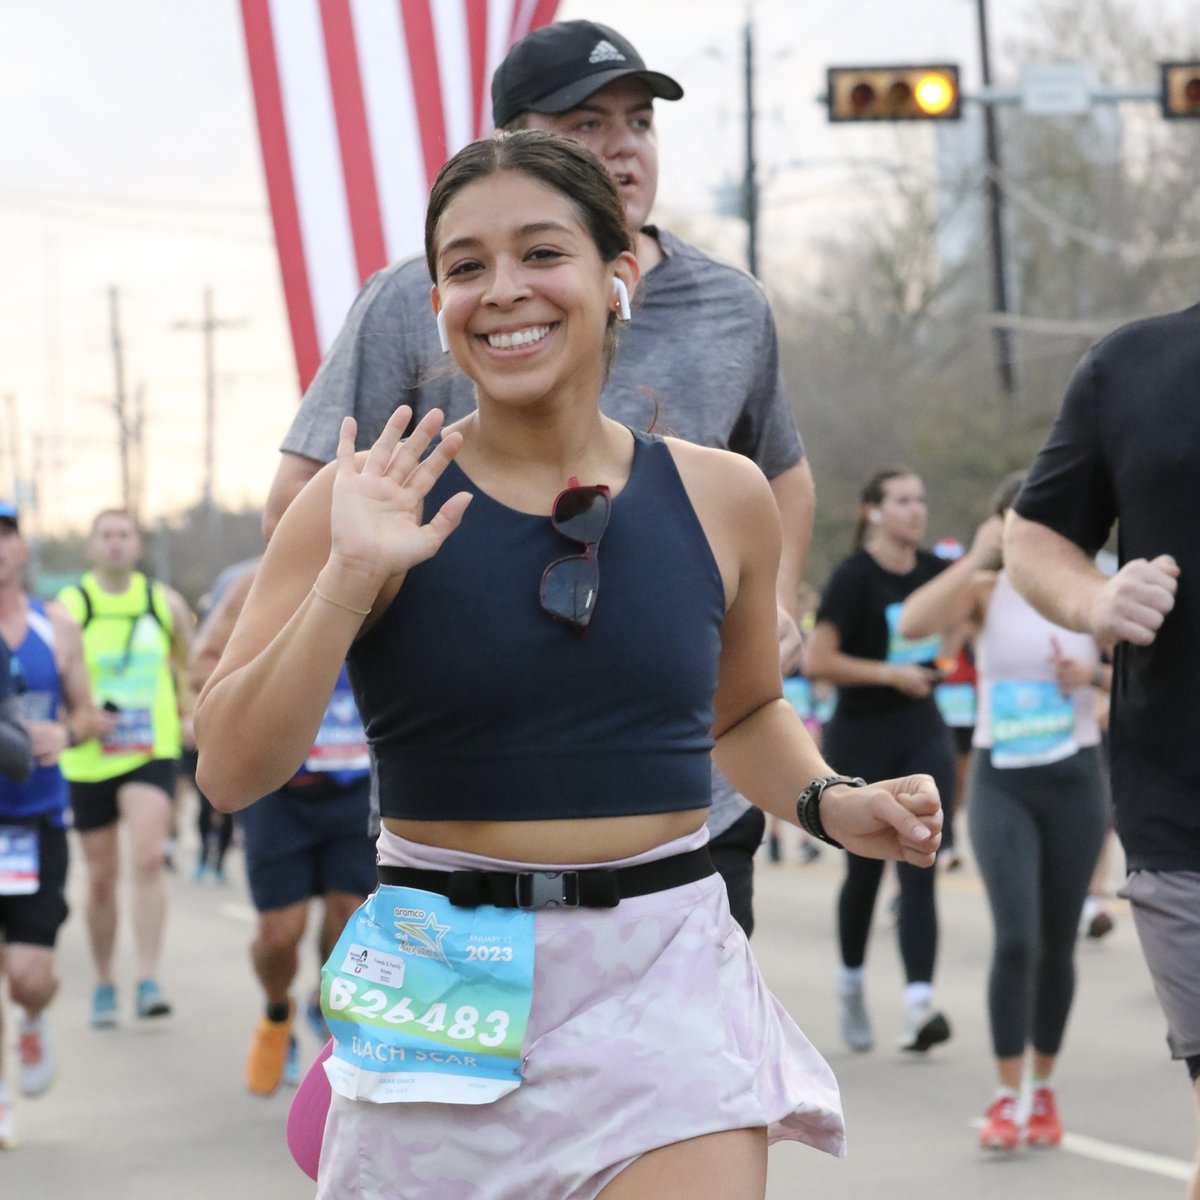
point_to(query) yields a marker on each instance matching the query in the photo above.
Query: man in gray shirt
(699, 360)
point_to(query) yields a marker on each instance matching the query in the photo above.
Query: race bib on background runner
(341, 743)
(132, 734)
(19, 861)
(908, 650)
(1033, 723)
(428, 1002)
(956, 703)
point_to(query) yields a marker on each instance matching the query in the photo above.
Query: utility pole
(119, 402)
(750, 178)
(208, 327)
(995, 200)
(138, 449)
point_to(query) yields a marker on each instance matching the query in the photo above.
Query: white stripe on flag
(392, 119)
(316, 162)
(499, 29)
(454, 69)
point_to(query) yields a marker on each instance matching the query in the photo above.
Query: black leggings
(1036, 833)
(889, 745)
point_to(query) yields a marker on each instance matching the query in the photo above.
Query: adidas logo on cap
(605, 51)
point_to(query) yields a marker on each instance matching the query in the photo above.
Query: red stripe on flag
(281, 189)
(477, 26)
(543, 14)
(426, 83)
(354, 137)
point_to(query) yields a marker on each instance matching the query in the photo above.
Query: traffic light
(1180, 89)
(925, 93)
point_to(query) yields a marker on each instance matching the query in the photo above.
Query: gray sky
(131, 159)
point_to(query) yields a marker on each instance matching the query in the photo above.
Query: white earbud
(441, 328)
(622, 294)
(874, 516)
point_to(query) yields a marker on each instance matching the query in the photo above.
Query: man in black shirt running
(1126, 447)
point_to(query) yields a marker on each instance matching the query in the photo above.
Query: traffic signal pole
(995, 199)
(750, 177)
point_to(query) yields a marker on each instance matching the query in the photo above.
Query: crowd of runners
(492, 772)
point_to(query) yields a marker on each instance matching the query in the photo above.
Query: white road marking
(239, 912)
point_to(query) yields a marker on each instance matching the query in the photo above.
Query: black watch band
(808, 805)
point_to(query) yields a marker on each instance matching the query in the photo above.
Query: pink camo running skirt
(650, 1024)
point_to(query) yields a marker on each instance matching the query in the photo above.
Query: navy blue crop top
(480, 707)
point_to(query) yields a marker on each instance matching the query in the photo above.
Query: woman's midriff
(583, 840)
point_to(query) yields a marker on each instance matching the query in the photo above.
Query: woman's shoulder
(738, 477)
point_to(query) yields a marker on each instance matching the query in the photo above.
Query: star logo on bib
(423, 938)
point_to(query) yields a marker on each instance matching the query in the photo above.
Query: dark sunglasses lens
(581, 514)
(569, 589)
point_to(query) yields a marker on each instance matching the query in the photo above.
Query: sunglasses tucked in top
(570, 585)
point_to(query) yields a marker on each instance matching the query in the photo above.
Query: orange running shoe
(1043, 1127)
(268, 1054)
(1000, 1130)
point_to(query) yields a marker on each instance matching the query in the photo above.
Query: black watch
(808, 804)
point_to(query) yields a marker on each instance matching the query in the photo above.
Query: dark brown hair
(872, 493)
(568, 167)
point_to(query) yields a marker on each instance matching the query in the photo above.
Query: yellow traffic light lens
(934, 94)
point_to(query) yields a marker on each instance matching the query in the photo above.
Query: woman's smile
(525, 339)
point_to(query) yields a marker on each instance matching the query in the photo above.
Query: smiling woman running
(546, 996)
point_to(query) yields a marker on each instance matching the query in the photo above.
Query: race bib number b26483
(428, 1002)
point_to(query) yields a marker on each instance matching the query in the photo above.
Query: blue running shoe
(150, 1000)
(315, 1017)
(104, 1006)
(291, 1065)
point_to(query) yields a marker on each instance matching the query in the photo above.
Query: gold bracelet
(358, 612)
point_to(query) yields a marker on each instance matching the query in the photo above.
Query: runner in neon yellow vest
(127, 647)
(136, 637)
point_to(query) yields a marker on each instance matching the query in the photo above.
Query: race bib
(426, 1001)
(798, 692)
(908, 650)
(19, 862)
(133, 733)
(36, 706)
(341, 743)
(956, 702)
(1033, 723)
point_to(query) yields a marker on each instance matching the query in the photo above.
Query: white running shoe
(8, 1126)
(35, 1054)
(856, 1024)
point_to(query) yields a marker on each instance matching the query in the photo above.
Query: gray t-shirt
(699, 360)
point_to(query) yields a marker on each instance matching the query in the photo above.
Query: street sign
(1055, 89)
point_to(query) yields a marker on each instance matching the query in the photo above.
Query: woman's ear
(626, 270)
(439, 319)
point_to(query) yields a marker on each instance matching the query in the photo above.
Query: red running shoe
(1000, 1131)
(1043, 1127)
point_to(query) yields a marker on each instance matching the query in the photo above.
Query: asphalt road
(160, 1112)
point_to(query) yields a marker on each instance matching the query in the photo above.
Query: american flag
(359, 103)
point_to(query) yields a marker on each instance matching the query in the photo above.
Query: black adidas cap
(558, 66)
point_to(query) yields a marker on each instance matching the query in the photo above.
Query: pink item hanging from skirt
(650, 1024)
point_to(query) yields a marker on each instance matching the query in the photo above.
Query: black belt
(590, 888)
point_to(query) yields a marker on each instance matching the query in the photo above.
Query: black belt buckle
(547, 889)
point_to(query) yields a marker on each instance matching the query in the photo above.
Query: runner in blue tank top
(50, 680)
(542, 676)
